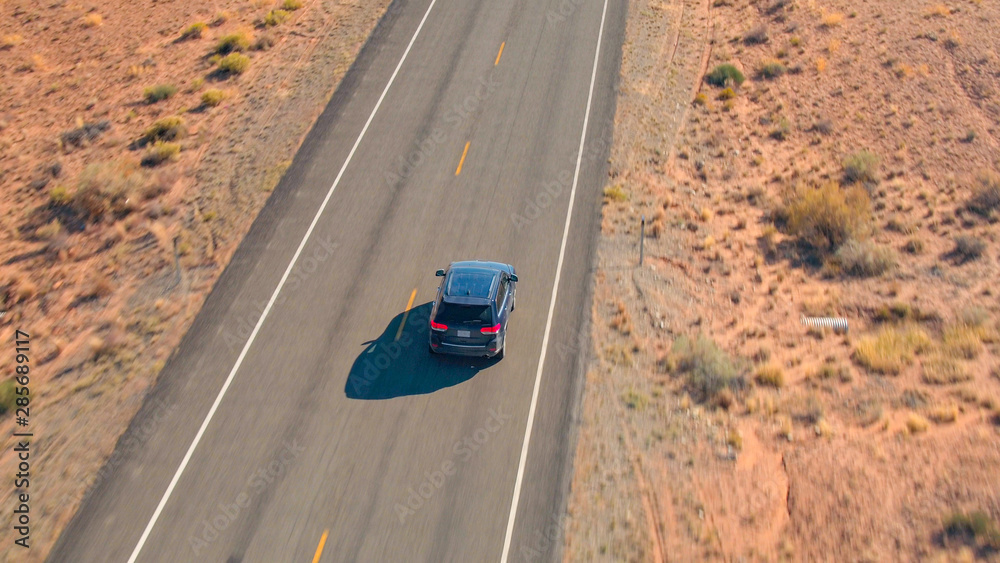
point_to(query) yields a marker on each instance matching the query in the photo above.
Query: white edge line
(552, 303)
(270, 303)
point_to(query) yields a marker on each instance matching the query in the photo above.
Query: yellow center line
(399, 331)
(500, 53)
(319, 548)
(461, 162)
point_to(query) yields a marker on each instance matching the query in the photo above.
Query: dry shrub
(891, 348)
(708, 368)
(615, 193)
(826, 217)
(968, 248)
(92, 19)
(291, 5)
(770, 376)
(864, 259)
(48, 231)
(10, 41)
(169, 128)
(276, 17)
(213, 97)
(863, 167)
(962, 341)
(193, 31)
(985, 195)
(916, 423)
(976, 528)
(771, 69)
(941, 370)
(832, 20)
(756, 35)
(233, 42)
(938, 10)
(107, 188)
(622, 321)
(158, 93)
(725, 75)
(160, 152)
(234, 63)
(944, 414)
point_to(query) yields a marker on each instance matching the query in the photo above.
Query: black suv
(470, 311)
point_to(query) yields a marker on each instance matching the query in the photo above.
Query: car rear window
(470, 283)
(450, 313)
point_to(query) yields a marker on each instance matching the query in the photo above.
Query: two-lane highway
(465, 130)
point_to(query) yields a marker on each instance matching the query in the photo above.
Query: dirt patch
(795, 159)
(135, 151)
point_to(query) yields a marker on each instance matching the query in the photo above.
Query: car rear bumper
(490, 349)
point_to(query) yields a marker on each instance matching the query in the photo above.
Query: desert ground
(137, 144)
(797, 158)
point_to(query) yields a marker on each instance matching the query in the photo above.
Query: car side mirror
(439, 273)
(513, 277)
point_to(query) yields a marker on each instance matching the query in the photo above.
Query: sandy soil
(818, 446)
(106, 297)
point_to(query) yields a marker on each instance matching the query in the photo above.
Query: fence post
(642, 238)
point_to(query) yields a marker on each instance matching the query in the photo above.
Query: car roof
(471, 281)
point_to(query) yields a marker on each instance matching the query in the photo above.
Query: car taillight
(491, 329)
(438, 326)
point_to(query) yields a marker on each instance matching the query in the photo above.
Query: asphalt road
(338, 435)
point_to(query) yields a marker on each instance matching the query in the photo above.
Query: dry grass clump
(93, 19)
(291, 5)
(832, 20)
(770, 376)
(158, 93)
(825, 217)
(891, 348)
(213, 97)
(985, 195)
(771, 69)
(635, 400)
(615, 193)
(725, 75)
(276, 17)
(916, 423)
(193, 31)
(756, 36)
(161, 152)
(233, 42)
(234, 63)
(84, 134)
(863, 167)
(169, 128)
(944, 414)
(942, 370)
(864, 259)
(708, 368)
(622, 321)
(938, 10)
(10, 41)
(962, 341)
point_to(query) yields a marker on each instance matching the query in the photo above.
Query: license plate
(464, 334)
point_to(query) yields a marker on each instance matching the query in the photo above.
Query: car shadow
(399, 362)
